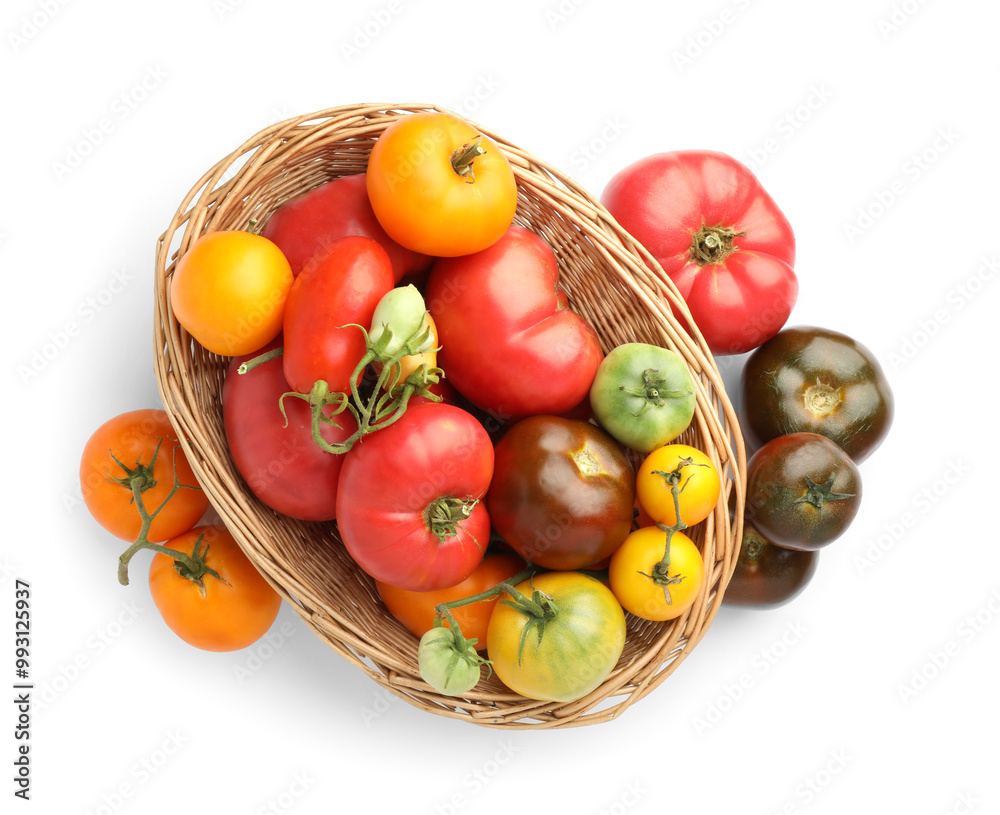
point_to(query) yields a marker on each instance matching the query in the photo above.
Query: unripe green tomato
(443, 667)
(643, 395)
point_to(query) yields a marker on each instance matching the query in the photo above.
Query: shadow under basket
(610, 280)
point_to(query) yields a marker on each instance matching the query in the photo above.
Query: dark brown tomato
(815, 380)
(563, 492)
(768, 576)
(803, 491)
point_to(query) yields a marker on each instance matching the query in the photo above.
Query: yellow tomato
(644, 592)
(697, 481)
(229, 291)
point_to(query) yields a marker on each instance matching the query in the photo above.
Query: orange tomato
(415, 609)
(224, 613)
(439, 187)
(141, 445)
(229, 290)
(699, 484)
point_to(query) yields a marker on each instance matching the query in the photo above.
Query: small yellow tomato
(696, 478)
(639, 587)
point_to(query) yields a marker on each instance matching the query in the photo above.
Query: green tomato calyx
(711, 245)
(653, 391)
(444, 516)
(817, 495)
(463, 158)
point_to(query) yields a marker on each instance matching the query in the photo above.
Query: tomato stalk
(652, 391)
(818, 494)
(139, 479)
(713, 244)
(444, 515)
(660, 573)
(463, 158)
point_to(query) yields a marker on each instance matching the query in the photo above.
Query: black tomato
(768, 576)
(562, 493)
(818, 381)
(803, 491)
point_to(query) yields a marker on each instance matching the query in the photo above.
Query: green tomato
(643, 395)
(446, 668)
(568, 652)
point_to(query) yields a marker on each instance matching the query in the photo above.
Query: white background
(866, 694)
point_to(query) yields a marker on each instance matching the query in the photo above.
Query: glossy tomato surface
(768, 576)
(815, 380)
(410, 503)
(720, 238)
(803, 491)
(509, 342)
(563, 492)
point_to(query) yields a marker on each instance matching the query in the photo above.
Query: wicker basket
(607, 279)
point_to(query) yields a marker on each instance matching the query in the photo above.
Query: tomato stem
(660, 573)
(260, 359)
(652, 391)
(138, 483)
(713, 244)
(463, 158)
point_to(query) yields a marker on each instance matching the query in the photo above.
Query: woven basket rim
(186, 375)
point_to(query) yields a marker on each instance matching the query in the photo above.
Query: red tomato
(410, 503)
(509, 342)
(275, 453)
(718, 235)
(415, 609)
(328, 300)
(336, 209)
(223, 613)
(139, 445)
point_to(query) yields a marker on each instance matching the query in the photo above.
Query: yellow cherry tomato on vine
(440, 187)
(229, 291)
(697, 481)
(646, 591)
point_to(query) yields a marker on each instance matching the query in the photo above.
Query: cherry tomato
(229, 291)
(415, 609)
(439, 187)
(563, 492)
(139, 445)
(223, 613)
(638, 587)
(575, 650)
(698, 481)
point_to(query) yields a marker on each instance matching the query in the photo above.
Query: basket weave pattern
(610, 280)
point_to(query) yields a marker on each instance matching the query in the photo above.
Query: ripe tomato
(328, 300)
(229, 291)
(643, 395)
(415, 609)
(803, 491)
(509, 342)
(768, 576)
(223, 613)
(638, 588)
(718, 235)
(409, 504)
(699, 484)
(439, 187)
(139, 445)
(274, 451)
(575, 650)
(306, 224)
(815, 380)
(563, 492)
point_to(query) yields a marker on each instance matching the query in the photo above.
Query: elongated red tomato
(274, 451)
(328, 300)
(719, 236)
(410, 504)
(306, 224)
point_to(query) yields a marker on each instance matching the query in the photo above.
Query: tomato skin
(809, 379)
(739, 294)
(275, 453)
(339, 208)
(766, 575)
(579, 647)
(229, 291)
(391, 484)
(229, 615)
(643, 395)
(699, 487)
(423, 203)
(633, 562)
(415, 609)
(563, 492)
(327, 301)
(783, 500)
(133, 437)
(509, 342)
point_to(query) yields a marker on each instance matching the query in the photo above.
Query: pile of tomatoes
(404, 363)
